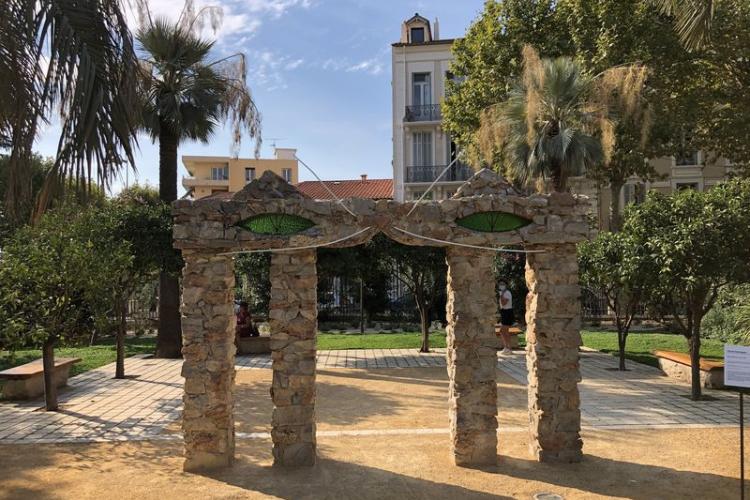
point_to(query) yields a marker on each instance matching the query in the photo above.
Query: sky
(320, 73)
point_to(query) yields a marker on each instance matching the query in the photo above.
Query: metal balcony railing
(423, 113)
(458, 172)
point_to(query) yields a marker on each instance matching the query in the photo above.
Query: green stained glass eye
(276, 224)
(492, 222)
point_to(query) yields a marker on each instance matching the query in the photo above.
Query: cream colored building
(694, 171)
(210, 175)
(421, 148)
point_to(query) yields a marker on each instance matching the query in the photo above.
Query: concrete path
(98, 408)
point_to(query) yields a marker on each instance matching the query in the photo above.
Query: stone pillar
(208, 366)
(293, 317)
(472, 356)
(553, 317)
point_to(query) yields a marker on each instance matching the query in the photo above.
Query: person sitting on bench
(245, 326)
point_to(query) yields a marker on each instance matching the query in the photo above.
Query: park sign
(736, 366)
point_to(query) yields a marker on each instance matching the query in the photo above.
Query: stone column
(208, 366)
(553, 317)
(293, 318)
(472, 356)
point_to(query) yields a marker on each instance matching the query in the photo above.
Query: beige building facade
(212, 175)
(421, 148)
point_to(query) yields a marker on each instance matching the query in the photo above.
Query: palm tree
(76, 57)
(185, 98)
(693, 19)
(545, 128)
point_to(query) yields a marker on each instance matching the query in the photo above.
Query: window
(249, 174)
(687, 185)
(415, 195)
(220, 173)
(286, 173)
(422, 149)
(687, 158)
(421, 90)
(417, 35)
(634, 193)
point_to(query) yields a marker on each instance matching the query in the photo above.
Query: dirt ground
(640, 464)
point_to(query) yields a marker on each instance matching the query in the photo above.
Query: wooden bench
(677, 365)
(254, 345)
(514, 332)
(27, 381)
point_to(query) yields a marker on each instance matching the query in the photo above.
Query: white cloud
(373, 66)
(267, 69)
(277, 8)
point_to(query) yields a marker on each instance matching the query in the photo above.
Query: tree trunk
(361, 306)
(169, 338)
(425, 326)
(621, 340)
(695, 356)
(615, 217)
(558, 182)
(121, 330)
(48, 363)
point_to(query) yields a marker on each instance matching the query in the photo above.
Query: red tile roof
(376, 189)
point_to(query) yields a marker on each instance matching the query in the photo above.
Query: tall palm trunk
(169, 340)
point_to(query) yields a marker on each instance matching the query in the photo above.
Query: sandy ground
(641, 464)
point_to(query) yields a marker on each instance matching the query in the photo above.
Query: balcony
(457, 173)
(191, 182)
(423, 113)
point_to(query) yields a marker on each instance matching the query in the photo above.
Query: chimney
(436, 30)
(364, 177)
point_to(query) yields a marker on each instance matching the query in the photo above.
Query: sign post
(737, 376)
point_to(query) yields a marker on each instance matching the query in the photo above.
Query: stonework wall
(553, 317)
(293, 320)
(208, 366)
(472, 356)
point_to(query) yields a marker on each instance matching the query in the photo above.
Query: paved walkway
(99, 408)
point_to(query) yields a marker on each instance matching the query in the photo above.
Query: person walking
(506, 316)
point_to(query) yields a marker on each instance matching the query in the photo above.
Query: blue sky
(320, 73)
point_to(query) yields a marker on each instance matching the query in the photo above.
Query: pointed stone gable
(268, 186)
(485, 182)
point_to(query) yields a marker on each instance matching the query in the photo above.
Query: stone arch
(208, 231)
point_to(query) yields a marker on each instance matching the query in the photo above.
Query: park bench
(677, 365)
(27, 381)
(254, 345)
(514, 333)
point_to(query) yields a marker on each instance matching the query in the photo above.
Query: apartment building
(421, 147)
(215, 175)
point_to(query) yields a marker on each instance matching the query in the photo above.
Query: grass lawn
(91, 357)
(406, 340)
(639, 345)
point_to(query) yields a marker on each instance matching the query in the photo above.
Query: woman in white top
(506, 316)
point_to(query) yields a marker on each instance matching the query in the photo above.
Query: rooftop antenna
(274, 139)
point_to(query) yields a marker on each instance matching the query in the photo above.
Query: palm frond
(75, 56)
(693, 20)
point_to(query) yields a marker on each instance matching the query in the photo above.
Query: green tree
(253, 276)
(422, 270)
(487, 61)
(186, 96)
(559, 122)
(37, 170)
(696, 244)
(54, 286)
(615, 265)
(75, 57)
(693, 19)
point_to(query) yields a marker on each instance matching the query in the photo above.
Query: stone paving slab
(96, 407)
